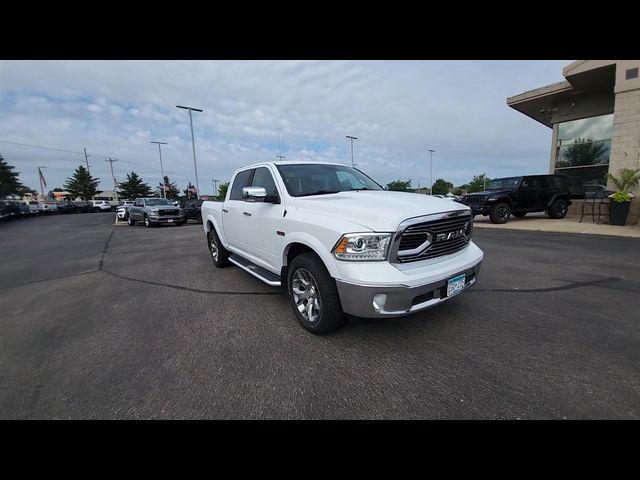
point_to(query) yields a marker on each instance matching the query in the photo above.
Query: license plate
(455, 285)
(170, 220)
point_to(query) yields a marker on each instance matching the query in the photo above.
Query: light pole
(352, 139)
(43, 183)
(281, 157)
(193, 142)
(431, 174)
(215, 186)
(164, 194)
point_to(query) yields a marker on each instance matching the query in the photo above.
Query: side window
(137, 203)
(242, 180)
(263, 178)
(546, 182)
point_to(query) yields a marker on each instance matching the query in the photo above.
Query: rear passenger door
(546, 191)
(527, 194)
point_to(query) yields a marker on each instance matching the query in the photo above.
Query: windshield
(510, 183)
(158, 201)
(317, 179)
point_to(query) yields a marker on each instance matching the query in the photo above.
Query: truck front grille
(434, 238)
(173, 213)
(473, 199)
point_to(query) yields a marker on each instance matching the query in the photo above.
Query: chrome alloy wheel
(213, 247)
(306, 295)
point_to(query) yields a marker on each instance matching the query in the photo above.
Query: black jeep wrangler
(521, 195)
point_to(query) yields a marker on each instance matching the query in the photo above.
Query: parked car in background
(9, 210)
(25, 211)
(122, 212)
(67, 206)
(154, 211)
(101, 206)
(34, 208)
(49, 208)
(192, 209)
(83, 206)
(521, 195)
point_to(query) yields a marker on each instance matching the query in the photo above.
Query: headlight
(153, 210)
(363, 246)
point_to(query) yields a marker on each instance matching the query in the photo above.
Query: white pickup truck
(339, 243)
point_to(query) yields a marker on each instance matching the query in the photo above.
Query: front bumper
(166, 219)
(358, 299)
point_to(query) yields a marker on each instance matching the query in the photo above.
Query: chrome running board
(260, 273)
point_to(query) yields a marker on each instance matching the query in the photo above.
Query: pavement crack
(104, 250)
(571, 285)
(188, 289)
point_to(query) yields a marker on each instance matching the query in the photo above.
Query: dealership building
(594, 115)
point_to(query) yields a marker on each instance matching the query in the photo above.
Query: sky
(255, 110)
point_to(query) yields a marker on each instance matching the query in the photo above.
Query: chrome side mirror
(253, 193)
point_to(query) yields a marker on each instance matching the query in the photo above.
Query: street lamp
(431, 175)
(193, 142)
(352, 139)
(164, 194)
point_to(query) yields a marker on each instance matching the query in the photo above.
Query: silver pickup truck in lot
(154, 211)
(339, 243)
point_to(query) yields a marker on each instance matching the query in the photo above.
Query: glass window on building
(583, 152)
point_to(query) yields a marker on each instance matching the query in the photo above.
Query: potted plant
(621, 198)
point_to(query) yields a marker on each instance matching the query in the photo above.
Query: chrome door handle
(248, 214)
(224, 210)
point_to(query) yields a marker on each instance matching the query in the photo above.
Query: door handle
(248, 214)
(224, 210)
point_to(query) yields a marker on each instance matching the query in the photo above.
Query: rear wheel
(314, 296)
(500, 213)
(219, 254)
(97, 210)
(199, 218)
(130, 220)
(558, 209)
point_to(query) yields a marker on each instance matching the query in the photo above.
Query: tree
(134, 187)
(190, 192)
(441, 187)
(172, 191)
(399, 186)
(478, 183)
(82, 184)
(222, 190)
(583, 152)
(9, 183)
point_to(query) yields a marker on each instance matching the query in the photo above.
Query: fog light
(379, 301)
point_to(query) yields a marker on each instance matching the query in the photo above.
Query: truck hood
(377, 210)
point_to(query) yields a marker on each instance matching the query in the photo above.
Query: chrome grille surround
(431, 236)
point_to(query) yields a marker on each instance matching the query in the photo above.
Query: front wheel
(314, 296)
(147, 222)
(558, 209)
(219, 254)
(500, 213)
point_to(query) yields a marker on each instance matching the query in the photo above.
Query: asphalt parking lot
(120, 322)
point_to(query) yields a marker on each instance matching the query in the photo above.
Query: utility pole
(215, 186)
(352, 139)
(193, 143)
(86, 160)
(113, 175)
(164, 194)
(431, 175)
(281, 157)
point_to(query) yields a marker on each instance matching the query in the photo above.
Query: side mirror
(253, 193)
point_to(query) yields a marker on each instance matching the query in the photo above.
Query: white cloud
(397, 109)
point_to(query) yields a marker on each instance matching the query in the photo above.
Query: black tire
(330, 315)
(220, 260)
(130, 220)
(558, 209)
(147, 222)
(96, 210)
(178, 224)
(519, 214)
(199, 219)
(500, 213)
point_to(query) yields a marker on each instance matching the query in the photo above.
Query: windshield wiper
(319, 192)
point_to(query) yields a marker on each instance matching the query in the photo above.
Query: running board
(260, 273)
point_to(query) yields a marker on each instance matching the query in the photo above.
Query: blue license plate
(455, 285)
